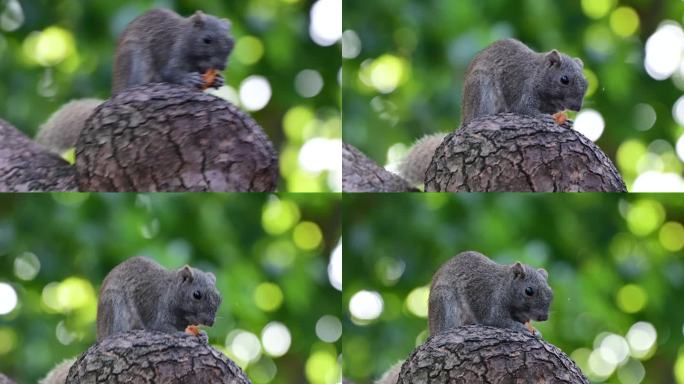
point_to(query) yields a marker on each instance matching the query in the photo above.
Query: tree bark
(5, 380)
(153, 357)
(26, 166)
(361, 174)
(481, 354)
(165, 137)
(508, 152)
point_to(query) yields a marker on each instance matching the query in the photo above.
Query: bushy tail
(59, 374)
(392, 375)
(60, 132)
(416, 162)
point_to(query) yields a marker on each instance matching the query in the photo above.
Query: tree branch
(165, 137)
(361, 174)
(154, 357)
(26, 166)
(508, 152)
(481, 354)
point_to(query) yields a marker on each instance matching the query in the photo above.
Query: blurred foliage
(404, 75)
(270, 254)
(613, 261)
(54, 51)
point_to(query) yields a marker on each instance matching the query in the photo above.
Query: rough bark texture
(153, 357)
(361, 174)
(26, 166)
(479, 354)
(165, 137)
(5, 380)
(508, 152)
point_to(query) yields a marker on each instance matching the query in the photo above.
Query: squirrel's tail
(417, 160)
(60, 132)
(392, 375)
(59, 374)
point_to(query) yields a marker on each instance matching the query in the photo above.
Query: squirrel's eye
(529, 291)
(207, 40)
(564, 79)
(197, 295)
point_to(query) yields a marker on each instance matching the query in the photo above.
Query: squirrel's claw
(194, 80)
(218, 81)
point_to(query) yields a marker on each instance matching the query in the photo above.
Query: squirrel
(158, 46)
(141, 294)
(60, 132)
(507, 76)
(472, 289)
(161, 46)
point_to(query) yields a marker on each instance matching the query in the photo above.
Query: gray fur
(507, 76)
(417, 160)
(161, 46)
(58, 374)
(141, 294)
(472, 289)
(60, 132)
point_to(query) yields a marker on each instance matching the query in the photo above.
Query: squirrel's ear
(212, 277)
(518, 270)
(227, 23)
(543, 272)
(553, 58)
(185, 274)
(198, 18)
(579, 61)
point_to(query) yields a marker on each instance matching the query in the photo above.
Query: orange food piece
(530, 327)
(193, 330)
(560, 118)
(209, 77)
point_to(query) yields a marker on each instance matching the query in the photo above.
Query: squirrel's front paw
(193, 80)
(218, 81)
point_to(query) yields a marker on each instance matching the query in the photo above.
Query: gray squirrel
(161, 46)
(471, 289)
(158, 46)
(141, 294)
(507, 76)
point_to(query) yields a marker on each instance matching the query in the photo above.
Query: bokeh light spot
(307, 235)
(417, 301)
(268, 297)
(8, 298)
(276, 339)
(589, 123)
(278, 216)
(631, 298)
(645, 216)
(248, 50)
(329, 328)
(255, 92)
(624, 21)
(26, 266)
(366, 305)
(671, 236)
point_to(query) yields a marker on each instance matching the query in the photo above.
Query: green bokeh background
(30, 92)
(612, 260)
(432, 42)
(246, 240)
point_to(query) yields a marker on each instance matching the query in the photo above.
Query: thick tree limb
(480, 354)
(154, 357)
(165, 137)
(508, 152)
(26, 166)
(361, 174)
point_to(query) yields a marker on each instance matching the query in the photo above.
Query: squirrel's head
(209, 42)
(530, 294)
(562, 84)
(197, 298)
